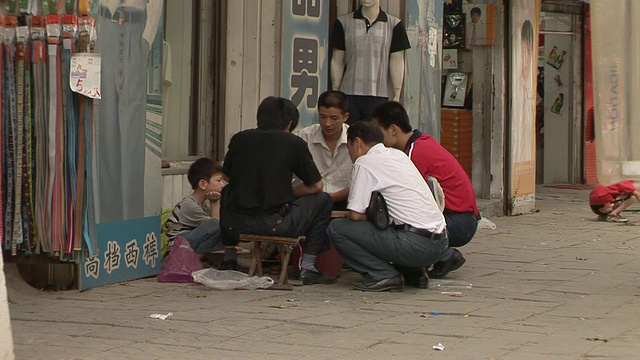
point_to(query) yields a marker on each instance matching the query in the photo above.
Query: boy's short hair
(369, 132)
(202, 169)
(392, 113)
(475, 10)
(275, 113)
(334, 99)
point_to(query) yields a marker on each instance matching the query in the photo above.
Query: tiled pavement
(551, 285)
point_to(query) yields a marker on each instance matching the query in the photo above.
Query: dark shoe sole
(311, 281)
(395, 288)
(455, 266)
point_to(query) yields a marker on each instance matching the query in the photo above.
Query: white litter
(160, 316)
(438, 347)
(485, 223)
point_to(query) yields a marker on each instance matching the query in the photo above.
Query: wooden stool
(285, 246)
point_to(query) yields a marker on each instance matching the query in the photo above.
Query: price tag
(84, 77)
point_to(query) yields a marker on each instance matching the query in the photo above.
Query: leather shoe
(310, 277)
(394, 284)
(229, 265)
(442, 268)
(418, 279)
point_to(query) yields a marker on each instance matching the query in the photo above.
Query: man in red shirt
(431, 159)
(609, 201)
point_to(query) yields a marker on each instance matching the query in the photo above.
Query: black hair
(334, 99)
(392, 113)
(369, 132)
(202, 169)
(527, 33)
(475, 10)
(275, 113)
(596, 209)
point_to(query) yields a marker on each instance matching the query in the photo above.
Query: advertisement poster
(305, 33)
(524, 40)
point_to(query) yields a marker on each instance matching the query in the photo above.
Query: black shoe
(418, 279)
(394, 284)
(229, 265)
(442, 268)
(310, 277)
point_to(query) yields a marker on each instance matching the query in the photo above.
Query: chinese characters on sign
(112, 257)
(303, 56)
(131, 254)
(92, 267)
(150, 247)
(84, 77)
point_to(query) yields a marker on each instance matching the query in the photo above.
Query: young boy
(196, 217)
(609, 201)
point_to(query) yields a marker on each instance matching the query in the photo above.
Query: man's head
(600, 200)
(333, 111)
(205, 175)
(276, 113)
(475, 14)
(393, 120)
(361, 137)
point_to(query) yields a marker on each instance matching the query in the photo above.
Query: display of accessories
(46, 131)
(453, 32)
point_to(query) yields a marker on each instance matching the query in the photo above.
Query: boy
(327, 143)
(609, 201)
(196, 217)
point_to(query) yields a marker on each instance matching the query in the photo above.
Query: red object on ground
(181, 262)
(329, 262)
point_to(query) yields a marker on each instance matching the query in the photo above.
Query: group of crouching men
(335, 166)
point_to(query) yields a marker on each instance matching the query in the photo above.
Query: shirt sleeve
(625, 186)
(304, 167)
(337, 37)
(192, 214)
(363, 182)
(399, 40)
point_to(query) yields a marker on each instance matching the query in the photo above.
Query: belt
(122, 16)
(421, 232)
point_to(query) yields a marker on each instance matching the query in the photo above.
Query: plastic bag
(182, 261)
(230, 280)
(485, 223)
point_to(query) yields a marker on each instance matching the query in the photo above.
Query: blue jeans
(308, 215)
(461, 227)
(373, 252)
(205, 238)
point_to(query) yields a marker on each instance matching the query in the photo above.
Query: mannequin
(372, 42)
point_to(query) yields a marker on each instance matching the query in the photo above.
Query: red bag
(181, 262)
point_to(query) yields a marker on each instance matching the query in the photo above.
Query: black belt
(422, 232)
(123, 15)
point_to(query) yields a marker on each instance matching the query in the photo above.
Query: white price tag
(84, 77)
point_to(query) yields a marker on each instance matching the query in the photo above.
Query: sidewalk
(554, 284)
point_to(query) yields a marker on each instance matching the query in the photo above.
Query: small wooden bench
(285, 247)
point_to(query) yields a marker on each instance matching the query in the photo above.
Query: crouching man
(417, 236)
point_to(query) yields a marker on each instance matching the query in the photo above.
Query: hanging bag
(377, 211)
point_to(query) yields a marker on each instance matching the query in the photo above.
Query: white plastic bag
(230, 280)
(485, 223)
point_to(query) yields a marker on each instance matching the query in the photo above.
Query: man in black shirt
(260, 198)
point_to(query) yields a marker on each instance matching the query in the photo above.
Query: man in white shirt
(417, 237)
(327, 143)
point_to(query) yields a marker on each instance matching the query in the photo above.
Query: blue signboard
(127, 250)
(305, 27)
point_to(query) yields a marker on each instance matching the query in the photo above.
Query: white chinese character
(92, 267)
(112, 257)
(131, 254)
(150, 247)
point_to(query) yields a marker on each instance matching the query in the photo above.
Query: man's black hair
(392, 113)
(369, 132)
(475, 10)
(334, 99)
(202, 169)
(275, 113)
